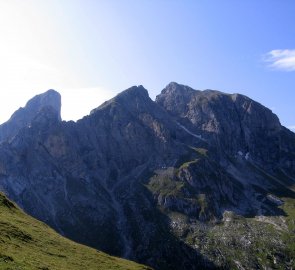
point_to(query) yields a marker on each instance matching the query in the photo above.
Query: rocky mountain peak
(50, 98)
(174, 88)
(175, 97)
(133, 93)
(135, 98)
(234, 122)
(47, 104)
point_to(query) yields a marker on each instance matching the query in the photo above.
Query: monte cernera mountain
(192, 180)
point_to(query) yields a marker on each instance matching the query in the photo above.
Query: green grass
(187, 164)
(164, 185)
(27, 244)
(201, 151)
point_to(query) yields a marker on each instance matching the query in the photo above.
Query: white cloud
(291, 127)
(281, 59)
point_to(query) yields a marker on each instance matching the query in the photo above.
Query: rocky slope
(196, 179)
(26, 243)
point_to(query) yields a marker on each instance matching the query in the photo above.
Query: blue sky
(90, 50)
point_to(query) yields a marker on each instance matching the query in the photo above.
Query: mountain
(192, 180)
(26, 243)
(47, 103)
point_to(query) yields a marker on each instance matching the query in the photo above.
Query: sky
(90, 50)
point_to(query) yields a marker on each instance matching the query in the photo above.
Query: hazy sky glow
(89, 50)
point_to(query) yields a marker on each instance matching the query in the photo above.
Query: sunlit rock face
(159, 181)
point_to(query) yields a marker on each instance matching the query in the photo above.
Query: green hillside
(26, 243)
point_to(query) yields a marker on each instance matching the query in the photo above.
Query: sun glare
(32, 60)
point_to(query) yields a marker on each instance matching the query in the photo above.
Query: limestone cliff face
(137, 178)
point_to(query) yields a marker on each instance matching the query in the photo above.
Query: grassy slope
(26, 243)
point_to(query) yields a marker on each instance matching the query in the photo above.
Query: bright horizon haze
(89, 50)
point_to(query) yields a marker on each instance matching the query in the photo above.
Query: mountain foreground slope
(27, 244)
(192, 180)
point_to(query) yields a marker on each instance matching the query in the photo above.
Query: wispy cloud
(291, 127)
(281, 59)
